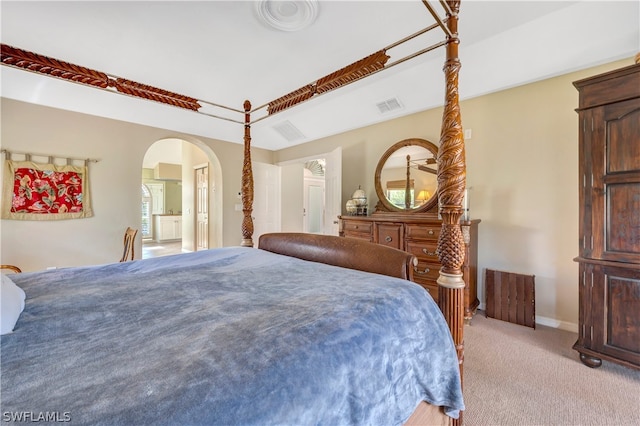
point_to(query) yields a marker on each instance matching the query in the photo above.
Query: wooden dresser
(609, 227)
(418, 234)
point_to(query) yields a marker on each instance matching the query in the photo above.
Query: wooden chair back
(13, 268)
(129, 238)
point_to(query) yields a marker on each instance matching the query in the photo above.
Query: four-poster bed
(451, 184)
(451, 171)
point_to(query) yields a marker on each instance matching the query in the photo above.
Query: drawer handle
(429, 253)
(426, 270)
(431, 232)
(388, 239)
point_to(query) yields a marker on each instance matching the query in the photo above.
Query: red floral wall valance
(34, 191)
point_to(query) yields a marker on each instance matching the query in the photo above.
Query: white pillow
(11, 304)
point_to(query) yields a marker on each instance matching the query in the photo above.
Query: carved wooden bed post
(451, 183)
(247, 181)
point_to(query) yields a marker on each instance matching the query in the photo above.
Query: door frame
(337, 192)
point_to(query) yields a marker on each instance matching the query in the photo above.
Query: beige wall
(522, 166)
(114, 180)
(292, 202)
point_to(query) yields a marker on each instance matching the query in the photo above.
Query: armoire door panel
(390, 234)
(616, 308)
(623, 307)
(623, 148)
(611, 200)
(623, 222)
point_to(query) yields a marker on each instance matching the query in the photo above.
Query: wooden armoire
(609, 227)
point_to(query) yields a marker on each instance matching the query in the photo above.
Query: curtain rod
(50, 157)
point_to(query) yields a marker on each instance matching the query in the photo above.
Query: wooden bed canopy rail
(374, 63)
(451, 172)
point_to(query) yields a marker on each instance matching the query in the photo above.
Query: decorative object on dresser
(403, 221)
(358, 204)
(609, 222)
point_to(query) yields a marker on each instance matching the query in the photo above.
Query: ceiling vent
(289, 131)
(389, 105)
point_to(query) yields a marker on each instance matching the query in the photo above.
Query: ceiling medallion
(287, 15)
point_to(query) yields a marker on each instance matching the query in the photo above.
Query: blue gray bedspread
(230, 336)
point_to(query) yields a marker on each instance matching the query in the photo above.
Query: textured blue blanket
(223, 337)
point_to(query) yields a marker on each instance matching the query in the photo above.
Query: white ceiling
(218, 52)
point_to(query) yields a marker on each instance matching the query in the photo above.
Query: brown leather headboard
(338, 251)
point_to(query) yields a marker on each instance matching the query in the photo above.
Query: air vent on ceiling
(389, 105)
(289, 131)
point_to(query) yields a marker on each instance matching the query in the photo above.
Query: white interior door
(314, 211)
(147, 201)
(202, 207)
(333, 191)
(157, 197)
(266, 200)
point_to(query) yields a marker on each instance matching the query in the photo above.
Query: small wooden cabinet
(418, 234)
(609, 219)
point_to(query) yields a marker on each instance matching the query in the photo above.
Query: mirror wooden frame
(384, 205)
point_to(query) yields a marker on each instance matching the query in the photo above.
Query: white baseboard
(550, 322)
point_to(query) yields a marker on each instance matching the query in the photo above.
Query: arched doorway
(184, 216)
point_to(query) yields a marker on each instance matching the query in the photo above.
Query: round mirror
(405, 178)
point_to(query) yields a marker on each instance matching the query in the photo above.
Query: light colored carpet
(515, 375)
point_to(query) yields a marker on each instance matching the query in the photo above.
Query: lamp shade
(423, 196)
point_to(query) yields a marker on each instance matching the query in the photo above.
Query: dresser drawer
(359, 227)
(390, 235)
(430, 285)
(358, 235)
(426, 271)
(426, 232)
(425, 251)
